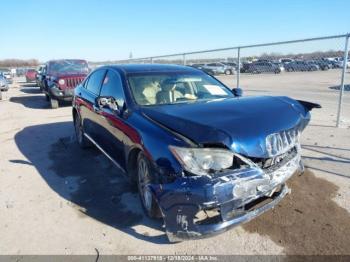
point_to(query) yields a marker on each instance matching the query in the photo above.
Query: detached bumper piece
(214, 221)
(199, 206)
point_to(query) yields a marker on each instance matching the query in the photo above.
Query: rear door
(88, 108)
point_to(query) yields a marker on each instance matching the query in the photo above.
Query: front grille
(72, 82)
(270, 164)
(279, 143)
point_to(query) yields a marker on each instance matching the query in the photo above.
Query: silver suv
(220, 68)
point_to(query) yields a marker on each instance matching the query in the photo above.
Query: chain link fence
(314, 69)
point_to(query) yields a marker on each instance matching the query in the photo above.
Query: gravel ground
(58, 199)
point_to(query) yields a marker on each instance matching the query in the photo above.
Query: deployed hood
(241, 124)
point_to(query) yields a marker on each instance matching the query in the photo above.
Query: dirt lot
(58, 199)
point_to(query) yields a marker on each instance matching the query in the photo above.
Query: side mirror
(108, 102)
(237, 91)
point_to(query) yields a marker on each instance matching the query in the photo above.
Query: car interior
(167, 90)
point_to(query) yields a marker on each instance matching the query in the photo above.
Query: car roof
(143, 68)
(60, 60)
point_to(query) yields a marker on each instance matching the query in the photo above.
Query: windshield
(69, 66)
(175, 87)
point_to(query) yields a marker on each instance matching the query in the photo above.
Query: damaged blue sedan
(203, 157)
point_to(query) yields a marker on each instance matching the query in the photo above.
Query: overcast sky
(111, 29)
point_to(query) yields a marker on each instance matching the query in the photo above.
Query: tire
(144, 178)
(47, 97)
(53, 103)
(0, 95)
(277, 71)
(83, 142)
(228, 72)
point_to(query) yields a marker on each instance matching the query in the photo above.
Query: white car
(7, 74)
(340, 63)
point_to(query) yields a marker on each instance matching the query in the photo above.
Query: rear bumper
(198, 207)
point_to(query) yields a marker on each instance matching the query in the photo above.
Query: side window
(112, 86)
(86, 82)
(94, 82)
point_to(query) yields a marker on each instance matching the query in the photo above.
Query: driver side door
(111, 121)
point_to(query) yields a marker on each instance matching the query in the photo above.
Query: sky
(111, 29)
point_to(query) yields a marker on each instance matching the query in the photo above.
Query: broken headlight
(203, 161)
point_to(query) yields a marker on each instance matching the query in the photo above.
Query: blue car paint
(240, 124)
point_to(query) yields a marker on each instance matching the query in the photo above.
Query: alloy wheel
(143, 182)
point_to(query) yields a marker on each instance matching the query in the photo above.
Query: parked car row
(217, 68)
(271, 66)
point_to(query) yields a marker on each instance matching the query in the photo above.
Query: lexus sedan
(203, 157)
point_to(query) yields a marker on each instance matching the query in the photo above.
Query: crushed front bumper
(200, 206)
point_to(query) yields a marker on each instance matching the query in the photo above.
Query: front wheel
(53, 103)
(228, 72)
(144, 180)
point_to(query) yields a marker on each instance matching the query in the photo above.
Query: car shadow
(30, 89)
(35, 101)
(31, 101)
(87, 179)
(346, 87)
(31, 84)
(327, 155)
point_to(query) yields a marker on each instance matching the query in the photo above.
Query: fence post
(184, 59)
(238, 65)
(341, 89)
(151, 60)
